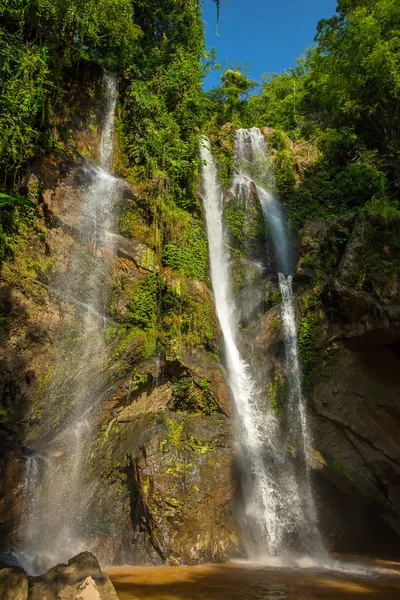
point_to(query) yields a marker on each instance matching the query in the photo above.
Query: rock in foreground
(81, 579)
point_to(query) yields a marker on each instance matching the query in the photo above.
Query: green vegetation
(277, 394)
(156, 48)
(191, 257)
(274, 298)
(235, 217)
(186, 320)
(193, 397)
(338, 466)
(308, 355)
(144, 304)
(40, 43)
(335, 114)
(162, 101)
(6, 199)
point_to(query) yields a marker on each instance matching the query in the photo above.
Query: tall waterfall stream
(280, 516)
(55, 515)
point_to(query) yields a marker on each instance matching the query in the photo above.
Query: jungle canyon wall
(162, 429)
(159, 479)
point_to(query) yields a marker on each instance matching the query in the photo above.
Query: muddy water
(240, 581)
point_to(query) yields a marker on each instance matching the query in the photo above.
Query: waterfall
(254, 171)
(272, 505)
(54, 527)
(296, 415)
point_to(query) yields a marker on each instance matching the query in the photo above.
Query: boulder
(13, 584)
(81, 579)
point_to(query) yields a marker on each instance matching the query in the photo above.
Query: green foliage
(191, 257)
(284, 172)
(228, 102)
(186, 320)
(312, 260)
(277, 394)
(339, 467)
(338, 109)
(222, 144)
(143, 307)
(278, 140)
(138, 380)
(162, 102)
(192, 397)
(235, 220)
(274, 298)
(9, 227)
(39, 43)
(307, 350)
(6, 199)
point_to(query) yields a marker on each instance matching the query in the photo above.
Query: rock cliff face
(158, 485)
(159, 481)
(347, 282)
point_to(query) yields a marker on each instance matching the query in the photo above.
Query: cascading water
(253, 167)
(55, 518)
(272, 506)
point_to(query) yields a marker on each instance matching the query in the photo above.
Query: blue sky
(266, 34)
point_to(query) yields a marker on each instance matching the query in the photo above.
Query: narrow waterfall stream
(55, 519)
(254, 166)
(280, 517)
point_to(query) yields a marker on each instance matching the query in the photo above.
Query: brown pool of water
(241, 581)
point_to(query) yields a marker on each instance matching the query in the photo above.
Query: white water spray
(272, 507)
(55, 523)
(254, 172)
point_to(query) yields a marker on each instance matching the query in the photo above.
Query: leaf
(6, 199)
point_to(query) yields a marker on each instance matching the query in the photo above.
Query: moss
(174, 433)
(339, 467)
(235, 220)
(172, 501)
(46, 377)
(275, 324)
(222, 144)
(133, 225)
(163, 446)
(307, 349)
(311, 300)
(311, 261)
(186, 320)
(178, 469)
(285, 173)
(191, 257)
(192, 397)
(274, 298)
(277, 394)
(143, 307)
(198, 447)
(3, 415)
(138, 379)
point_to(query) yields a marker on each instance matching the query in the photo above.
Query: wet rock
(81, 579)
(84, 590)
(141, 255)
(172, 491)
(354, 385)
(13, 584)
